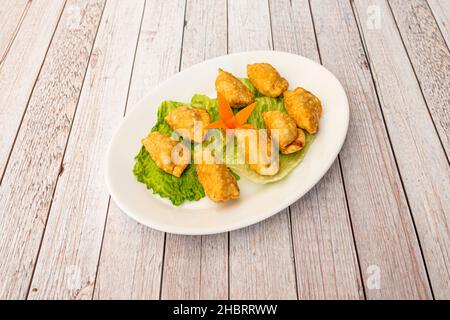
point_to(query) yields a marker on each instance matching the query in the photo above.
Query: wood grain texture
(383, 229)
(430, 58)
(261, 256)
(11, 17)
(70, 251)
(20, 68)
(202, 270)
(441, 12)
(130, 249)
(325, 254)
(36, 158)
(421, 159)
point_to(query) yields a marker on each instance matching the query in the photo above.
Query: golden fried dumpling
(290, 138)
(297, 144)
(189, 122)
(236, 93)
(217, 181)
(161, 150)
(266, 79)
(261, 157)
(304, 107)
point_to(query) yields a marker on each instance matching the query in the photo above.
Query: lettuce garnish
(188, 187)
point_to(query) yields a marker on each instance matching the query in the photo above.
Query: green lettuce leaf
(249, 85)
(187, 187)
(177, 190)
(264, 104)
(205, 102)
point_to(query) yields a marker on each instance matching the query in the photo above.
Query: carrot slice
(232, 123)
(225, 111)
(216, 125)
(243, 115)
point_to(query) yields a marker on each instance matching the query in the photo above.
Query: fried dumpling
(189, 122)
(217, 180)
(266, 79)
(262, 158)
(236, 93)
(161, 150)
(304, 107)
(290, 138)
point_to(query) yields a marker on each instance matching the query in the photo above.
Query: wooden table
(376, 226)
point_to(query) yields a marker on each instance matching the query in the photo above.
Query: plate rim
(175, 229)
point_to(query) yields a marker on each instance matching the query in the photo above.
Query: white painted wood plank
(70, 251)
(131, 259)
(182, 251)
(197, 267)
(421, 159)
(261, 256)
(36, 159)
(325, 254)
(26, 192)
(262, 262)
(214, 267)
(430, 58)
(130, 249)
(19, 70)
(383, 229)
(441, 12)
(11, 16)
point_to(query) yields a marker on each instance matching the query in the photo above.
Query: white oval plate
(257, 202)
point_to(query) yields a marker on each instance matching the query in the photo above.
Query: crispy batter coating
(160, 147)
(236, 93)
(260, 160)
(217, 180)
(183, 120)
(304, 107)
(289, 140)
(297, 144)
(266, 79)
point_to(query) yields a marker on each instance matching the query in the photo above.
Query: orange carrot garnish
(227, 119)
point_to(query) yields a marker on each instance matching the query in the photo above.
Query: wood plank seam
(353, 231)
(65, 148)
(342, 176)
(289, 208)
(113, 35)
(2, 175)
(101, 245)
(341, 173)
(389, 150)
(340, 169)
(293, 249)
(416, 75)
(358, 21)
(375, 86)
(439, 27)
(134, 60)
(16, 30)
(124, 112)
(387, 130)
(162, 266)
(165, 233)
